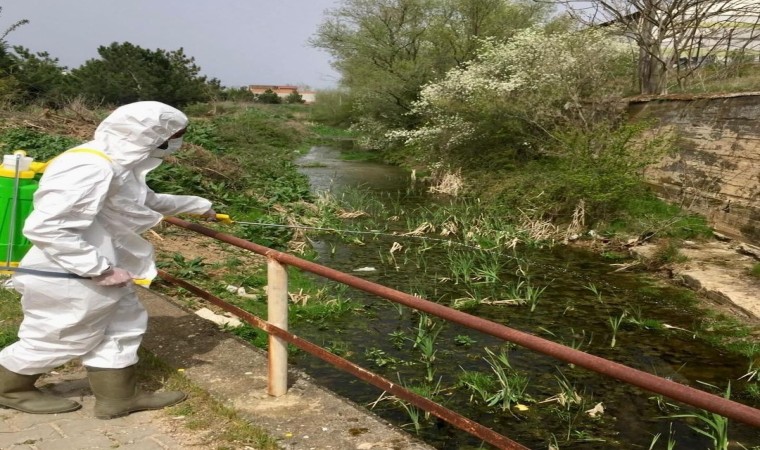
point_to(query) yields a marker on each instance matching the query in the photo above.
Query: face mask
(171, 146)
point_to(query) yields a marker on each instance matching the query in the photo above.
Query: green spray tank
(19, 179)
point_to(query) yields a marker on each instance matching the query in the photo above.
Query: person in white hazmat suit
(90, 209)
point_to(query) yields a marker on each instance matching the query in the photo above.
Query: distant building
(283, 91)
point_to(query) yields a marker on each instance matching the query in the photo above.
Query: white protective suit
(89, 212)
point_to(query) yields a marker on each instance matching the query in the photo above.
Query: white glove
(209, 216)
(113, 277)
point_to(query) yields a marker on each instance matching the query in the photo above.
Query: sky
(239, 42)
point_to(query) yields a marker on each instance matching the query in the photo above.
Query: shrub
(40, 146)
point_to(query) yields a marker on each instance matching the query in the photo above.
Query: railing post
(277, 315)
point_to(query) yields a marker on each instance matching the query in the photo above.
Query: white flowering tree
(515, 94)
(385, 50)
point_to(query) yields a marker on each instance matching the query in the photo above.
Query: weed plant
(667, 252)
(479, 384)
(595, 290)
(464, 341)
(10, 317)
(570, 408)
(501, 389)
(425, 342)
(714, 426)
(634, 317)
(615, 323)
(755, 271)
(40, 146)
(418, 416)
(670, 444)
(523, 292)
(511, 385)
(184, 268)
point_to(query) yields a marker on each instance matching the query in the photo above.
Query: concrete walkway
(79, 429)
(234, 373)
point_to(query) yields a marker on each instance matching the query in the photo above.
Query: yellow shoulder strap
(91, 151)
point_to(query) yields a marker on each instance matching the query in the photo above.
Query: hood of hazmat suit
(93, 204)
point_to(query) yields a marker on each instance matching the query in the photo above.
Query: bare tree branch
(674, 37)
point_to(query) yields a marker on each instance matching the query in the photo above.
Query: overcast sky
(240, 42)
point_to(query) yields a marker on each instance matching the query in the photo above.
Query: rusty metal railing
(449, 416)
(676, 391)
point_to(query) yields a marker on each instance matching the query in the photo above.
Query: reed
(714, 426)
(615, 325)
(425, 341)
(510, 385)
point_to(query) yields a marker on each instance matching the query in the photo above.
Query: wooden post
(277, 315)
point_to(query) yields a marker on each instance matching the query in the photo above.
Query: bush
(40, 146)
(268, 97)
(294, 97)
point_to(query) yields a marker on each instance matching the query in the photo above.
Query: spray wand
(226, 219)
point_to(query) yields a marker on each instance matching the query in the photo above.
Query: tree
(9, 88)
(294, 97)
(40, 77)
(673, 37)
(4, 43)
(127, 73)
(238, 94)
(268, 96)
(510, 101)
(386, 50)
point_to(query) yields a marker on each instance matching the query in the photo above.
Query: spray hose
(225, 218)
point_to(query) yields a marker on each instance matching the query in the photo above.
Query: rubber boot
(116, 393)
(18, 392)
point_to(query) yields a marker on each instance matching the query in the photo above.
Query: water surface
(568, 312)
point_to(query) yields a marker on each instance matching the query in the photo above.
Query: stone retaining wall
(716, 172)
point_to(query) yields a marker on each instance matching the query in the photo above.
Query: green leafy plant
(398, 338)
(668, 251)
(715, 426)
(417, 415)
(670, 445)
(510, 385)
(523, 292)
(753, 371)
(380, 358)
(570, 408)
(634, 317)
(40, 146)
(427, 333)
(592, 287)
(464, 340)
(185, 268)
(478, 383)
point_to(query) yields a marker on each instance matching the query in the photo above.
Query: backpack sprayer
(19, 179)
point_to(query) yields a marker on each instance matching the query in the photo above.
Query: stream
(656, 337)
